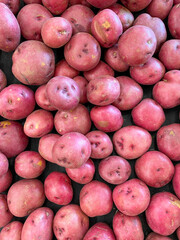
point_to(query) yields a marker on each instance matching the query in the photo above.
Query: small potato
(136, 6)
(172, 21)
(114, 169)
(126, 142)
(64, 69)
(5, 181)
(24, 196)
(16, 102)
(162, 211)
(83, 174)
(101, 4)
(29, 164)
(168, 138)
(101, 145)
(71, 150)
(160, 8)
(80, 18)
(12, 231)
(56, 8)
(176, 180)
(96, 199)
(3, 80)
(4, 164)
(122, 222)
(13, 5)
(155, 236)
(82, 83)
(58, 188)
(82, 52)
(56, 32)
(106, 118)
(9, 30)
(12, 138)
(38, 225)
(5, 215)
(70, 222)
(38, 123)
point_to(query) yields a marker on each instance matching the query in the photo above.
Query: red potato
(106, 27)
(12, 138)
(56, 8)
(5, 181)
(176, 180)
(24, 196)
(155, 236)
(63, 93)
(5, 215)
(29, 164)
(114, 170)
(16, 102)
(12, 231)
(125, 16)
(76, 120)
(82, 52)
(13, 5)
(96, 199)
(31, 18)
(122, 222)
(106, 118)
(33, 63)
(82, 83)
(80, 17)
(64, 69)
(142, 115)
(172, 21)
(58, 188)
(56, 32)
(101, 4)
(168, 138)
(83, 174)
(136, 6)
(176, 2)
(46, 144)
(82, 2)
(9, 30)
(38, 225)
(149, 73)
(32, 1)
(99, 231)
(101, 69)
(3, 80)
(4, 164)
(70, 222)
(101, 145)
(126, 142)
(163, 213)
(160, 8)
(154, 168)
(70, 155)
(103, 90)
(38, 123)
(140, 39)
(113, 58)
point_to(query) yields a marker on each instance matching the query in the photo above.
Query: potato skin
(4, 164)
(135, 6)
(62, 68)
(82, 83)
(160, 8)
(5, 181)
(9, 29)
(38, 225)
(3, 80)
(155, 236)
(5, 214)
(172, 18)
(176, 180)
(55, 7)
(12, 231)
(13, 5)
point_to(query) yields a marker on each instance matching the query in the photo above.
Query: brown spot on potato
(120, 144)
(132, 146)
(60, 231)
(39, 17)
(85, 50)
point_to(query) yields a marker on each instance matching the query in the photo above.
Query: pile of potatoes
(89, 120)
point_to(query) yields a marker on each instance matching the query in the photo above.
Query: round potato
(62, 68)
(56, 8)
(160, 8)
(82, 83)
(135, 6)
(12, 231)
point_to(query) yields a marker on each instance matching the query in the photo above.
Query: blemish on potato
(103, 123)
(172, 133)
(93, 56)
(18, 99)
(106, 24)
(176, 203)
(43, 64)
(39, 163)
(4, 124)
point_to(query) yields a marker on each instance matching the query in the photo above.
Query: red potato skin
(136, 6)
(56, 8)
(5, 181)
(101, 145)
(29, 164)
(176, 2)
(32, 1)
(99, 193)
(38, 225)
(4, 164)
(122, 222)
(168, 138)
(33, 63)
(70, 222)
(9, 30)
(38, 123)
(13, 5)
(64, 69)
(99, 231)
(58, 188)
(16, 102)
(163, 213)
(25, 196)
(5, 215)
(106, 118)
(101, 4)
(156, 164)
(149, 73)
(46, 144)
(84, 56)
(155, 236)
(82, 83)
(172, 21)
(160, 8)
(70, 155)
(80, 17)
(176, 180)
(125, 142)
(12, 231)
(76, 120)
(142, 115)
(3, 80)
(144, 44)
(82, 2)
(114, 170)
(83, 174)
(106, 27)
(12, 138)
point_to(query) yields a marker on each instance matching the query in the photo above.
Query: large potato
(12, 231)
